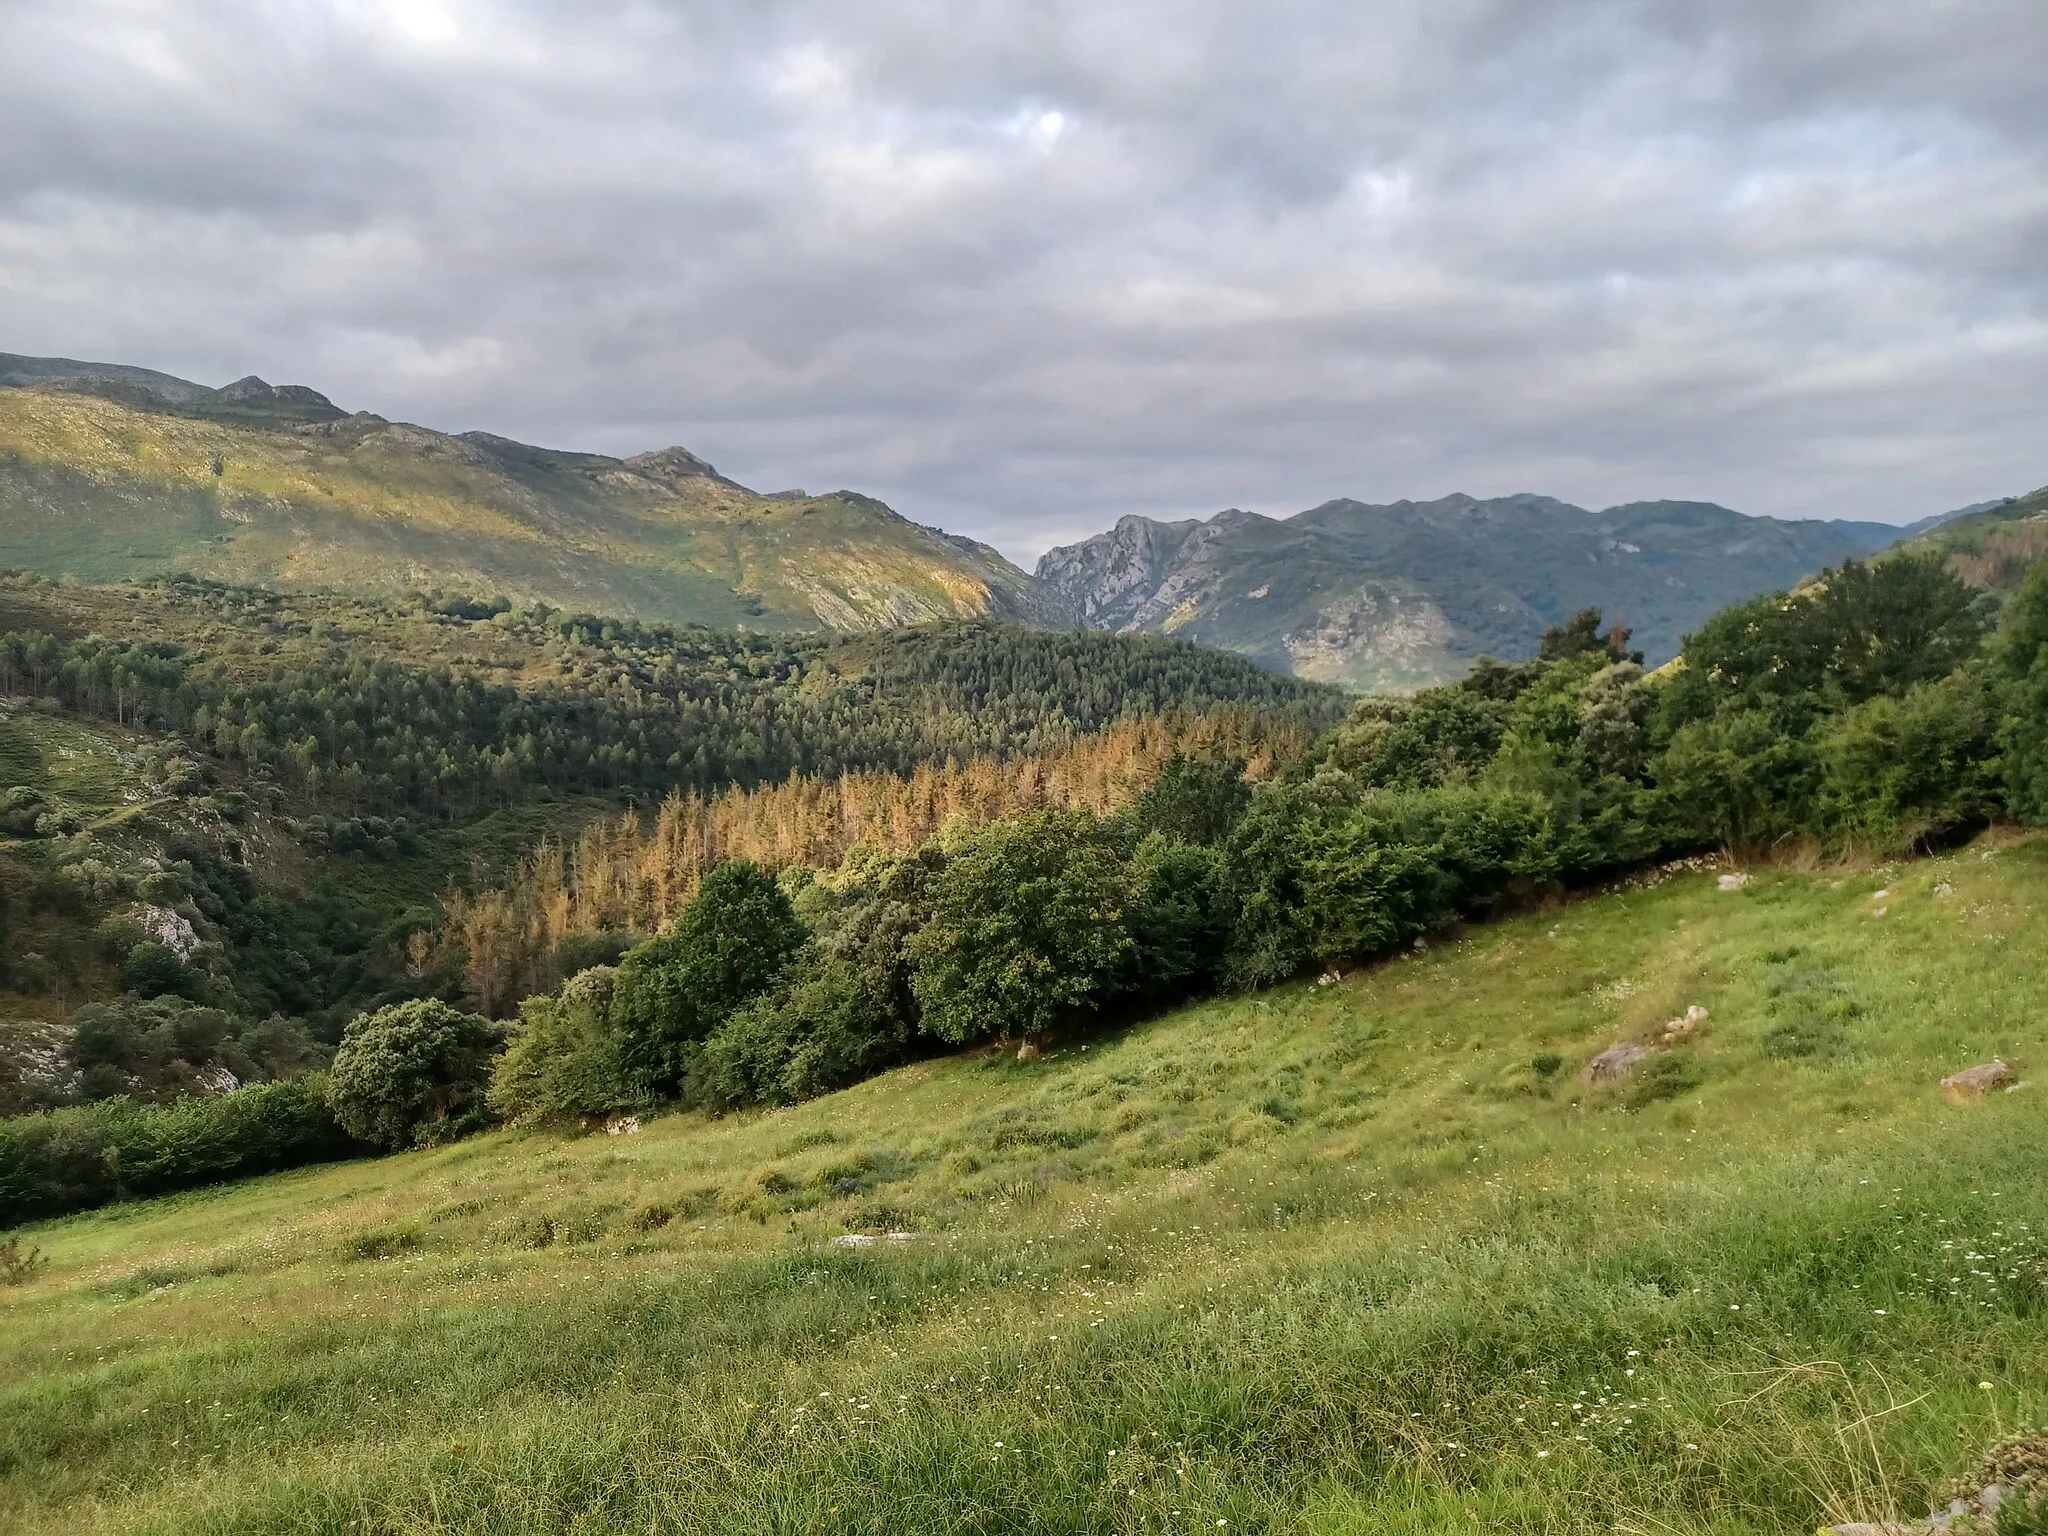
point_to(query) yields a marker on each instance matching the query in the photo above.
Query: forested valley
(558, 869)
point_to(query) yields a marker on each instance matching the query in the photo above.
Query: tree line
(632, 712)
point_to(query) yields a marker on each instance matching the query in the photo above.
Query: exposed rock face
(1400, 596)
(1115, 579)
(168, 928)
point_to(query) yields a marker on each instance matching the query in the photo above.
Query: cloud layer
(1022, 266)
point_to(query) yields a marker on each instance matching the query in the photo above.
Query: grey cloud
(1023, 267)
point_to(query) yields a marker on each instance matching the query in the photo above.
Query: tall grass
(1331, 1259)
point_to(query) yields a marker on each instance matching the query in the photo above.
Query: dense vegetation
(642, 710)
(1860, 711)
(1864, 710)
(229, 814)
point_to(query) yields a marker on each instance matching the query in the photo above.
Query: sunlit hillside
(1365, 1255)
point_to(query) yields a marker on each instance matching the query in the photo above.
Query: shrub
(72, 1159)
(1896, 770)
(413, 1073)
(1182, 918)
(819, 1032)
(1194, 799)
(725, 947)
(1030, 921)
(156, 970)
(1737, 779)
(2021, 660)
(20, 1265)
(562, 1061)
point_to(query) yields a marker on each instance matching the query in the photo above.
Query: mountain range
(110, 472)
(1408, 594)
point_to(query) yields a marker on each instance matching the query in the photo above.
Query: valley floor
(1364, 1256)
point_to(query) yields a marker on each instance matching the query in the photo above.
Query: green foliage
(1898, 770)
(619, 708)
(2021, 663)
(673, 991)
(822, 1030)
(152, 970)
(1736, 779)
(1194, 799)
(561, 1064)
(70, 1159)
(166, 1047)
(413, 1073)
(1857, 632)
(1030, 923)
(1182, 918)
(1402, 864)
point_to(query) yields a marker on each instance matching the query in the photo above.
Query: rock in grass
(1975, 1082)
(1617, 1061)
(1679, 1029)
(1734, 882)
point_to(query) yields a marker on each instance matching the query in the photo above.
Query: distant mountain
(1405, 595)
(109, 472)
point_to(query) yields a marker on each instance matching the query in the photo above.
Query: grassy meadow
(1365, 1256)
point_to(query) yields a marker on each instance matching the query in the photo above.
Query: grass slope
(1357, 1257)
(105, 490)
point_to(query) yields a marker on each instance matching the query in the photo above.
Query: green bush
(1030, 922)
(822, 1031)
(156, 970)
(72, 1159)
(562, 1061)
(2021, 667)
(1182, 918)
(724, 948)
(413, 1073)
(1898, 770)
(1194, 799)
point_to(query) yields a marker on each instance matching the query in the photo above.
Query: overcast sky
(1022, 266)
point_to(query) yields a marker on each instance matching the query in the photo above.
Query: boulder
(1680, 1029)
(1617, 1062)
(1975, 1082)
(1734, 882)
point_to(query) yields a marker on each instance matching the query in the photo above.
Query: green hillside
(104, 480)
(1368, 1256)
(1992, 548)
(299, 779)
